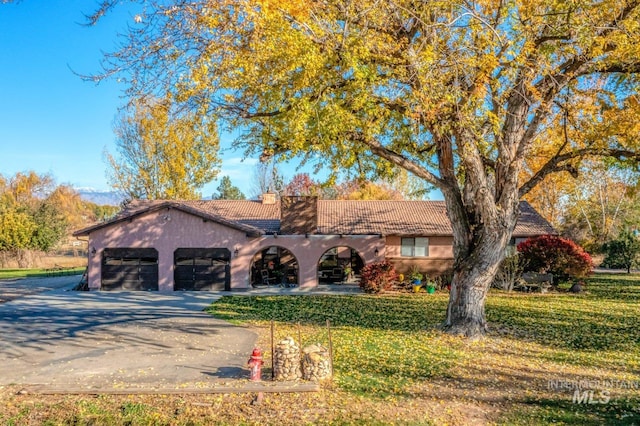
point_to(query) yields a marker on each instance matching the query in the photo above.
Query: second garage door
(204, 269)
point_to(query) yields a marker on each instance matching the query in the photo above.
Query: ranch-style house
(229, 244)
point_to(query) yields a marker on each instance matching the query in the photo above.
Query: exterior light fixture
(93, 251)
(376, 252)
(235, 252)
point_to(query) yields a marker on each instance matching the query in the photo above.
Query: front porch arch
(274, 265)
(340, 264)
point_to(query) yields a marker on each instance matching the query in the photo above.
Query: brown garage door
(204, 269)
(129, 269)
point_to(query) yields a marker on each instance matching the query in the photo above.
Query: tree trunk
(473, 274)
(471, 282)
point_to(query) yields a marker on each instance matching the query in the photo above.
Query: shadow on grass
(605, 318)
(566, 412)
(382, 344)
(401, 312)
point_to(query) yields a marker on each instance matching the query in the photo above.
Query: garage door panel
(120, 273)
(183, 273)
(204, 269)
(130, 269)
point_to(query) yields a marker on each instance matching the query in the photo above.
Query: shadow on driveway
(121, 339)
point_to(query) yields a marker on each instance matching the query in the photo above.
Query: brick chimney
(298, 215)
(269, 198)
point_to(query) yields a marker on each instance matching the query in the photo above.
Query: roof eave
(248, 229)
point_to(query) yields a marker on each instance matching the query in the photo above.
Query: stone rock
(287, 360)
(316, 363)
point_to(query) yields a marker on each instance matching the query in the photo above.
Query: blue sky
(51, 121)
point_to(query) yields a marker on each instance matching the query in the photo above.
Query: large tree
(31, 218)
(163, 152)
(228, 191)
(459, 93)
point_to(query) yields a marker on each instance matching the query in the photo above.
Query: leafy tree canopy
(459, 94)
(228, 191)
(30, 217)
(163, 153)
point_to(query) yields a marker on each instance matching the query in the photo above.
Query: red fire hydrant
(255, 364)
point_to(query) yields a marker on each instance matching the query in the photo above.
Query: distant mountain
(101, 198)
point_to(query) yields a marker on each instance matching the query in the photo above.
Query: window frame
(413, 246)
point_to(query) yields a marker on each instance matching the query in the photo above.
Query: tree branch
(399, 160)
(558, 163)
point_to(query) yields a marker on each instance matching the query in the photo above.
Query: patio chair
(266, 280)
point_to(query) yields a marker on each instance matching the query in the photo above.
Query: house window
(415, 247)
(512, 247)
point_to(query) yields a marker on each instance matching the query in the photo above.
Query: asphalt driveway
(101, 340)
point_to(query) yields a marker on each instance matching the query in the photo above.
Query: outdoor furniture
(532, 281)
(337, 274)
(266, 279)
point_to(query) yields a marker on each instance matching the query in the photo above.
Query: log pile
(286, 361)
(316, 363)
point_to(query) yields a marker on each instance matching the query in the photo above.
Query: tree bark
(473, 273)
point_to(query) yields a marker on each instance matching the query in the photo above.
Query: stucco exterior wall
(439, 261)
(170, 229)
(439, 247)
(307, 251)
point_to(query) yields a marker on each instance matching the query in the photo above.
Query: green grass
(37, 272)
(390, 346)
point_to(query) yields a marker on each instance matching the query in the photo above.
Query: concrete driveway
(100, 340)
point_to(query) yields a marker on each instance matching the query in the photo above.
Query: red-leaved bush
(550, 254)
(379, 276)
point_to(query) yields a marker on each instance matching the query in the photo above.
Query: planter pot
(431, 290)
(416, 287)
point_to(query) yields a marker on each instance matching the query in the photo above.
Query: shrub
(377, 277)
(558, 256)
(623, 252)
(509, 273)
(444, 280)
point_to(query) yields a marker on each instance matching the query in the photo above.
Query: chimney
(298, 215)
(269, 198)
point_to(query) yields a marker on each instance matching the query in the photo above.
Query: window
(415, 247)
(512, 247)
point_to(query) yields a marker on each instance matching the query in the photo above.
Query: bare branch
(559, 163)
(399, 160)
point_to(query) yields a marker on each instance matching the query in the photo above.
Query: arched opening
(274, 265)
(340, 265)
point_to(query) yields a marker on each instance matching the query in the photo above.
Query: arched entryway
(340, 265)
(274, 265)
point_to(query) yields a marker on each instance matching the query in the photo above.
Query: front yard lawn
(394, 365)
(39, 272)
(540, 349)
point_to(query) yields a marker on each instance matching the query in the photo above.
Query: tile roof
(339, 216)
(383, 217)
(140, 208)
(248, 212)
(530, 223)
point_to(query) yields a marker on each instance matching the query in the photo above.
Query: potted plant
(416, 279)
(431, 287)
(347, 273)
(280, 277)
